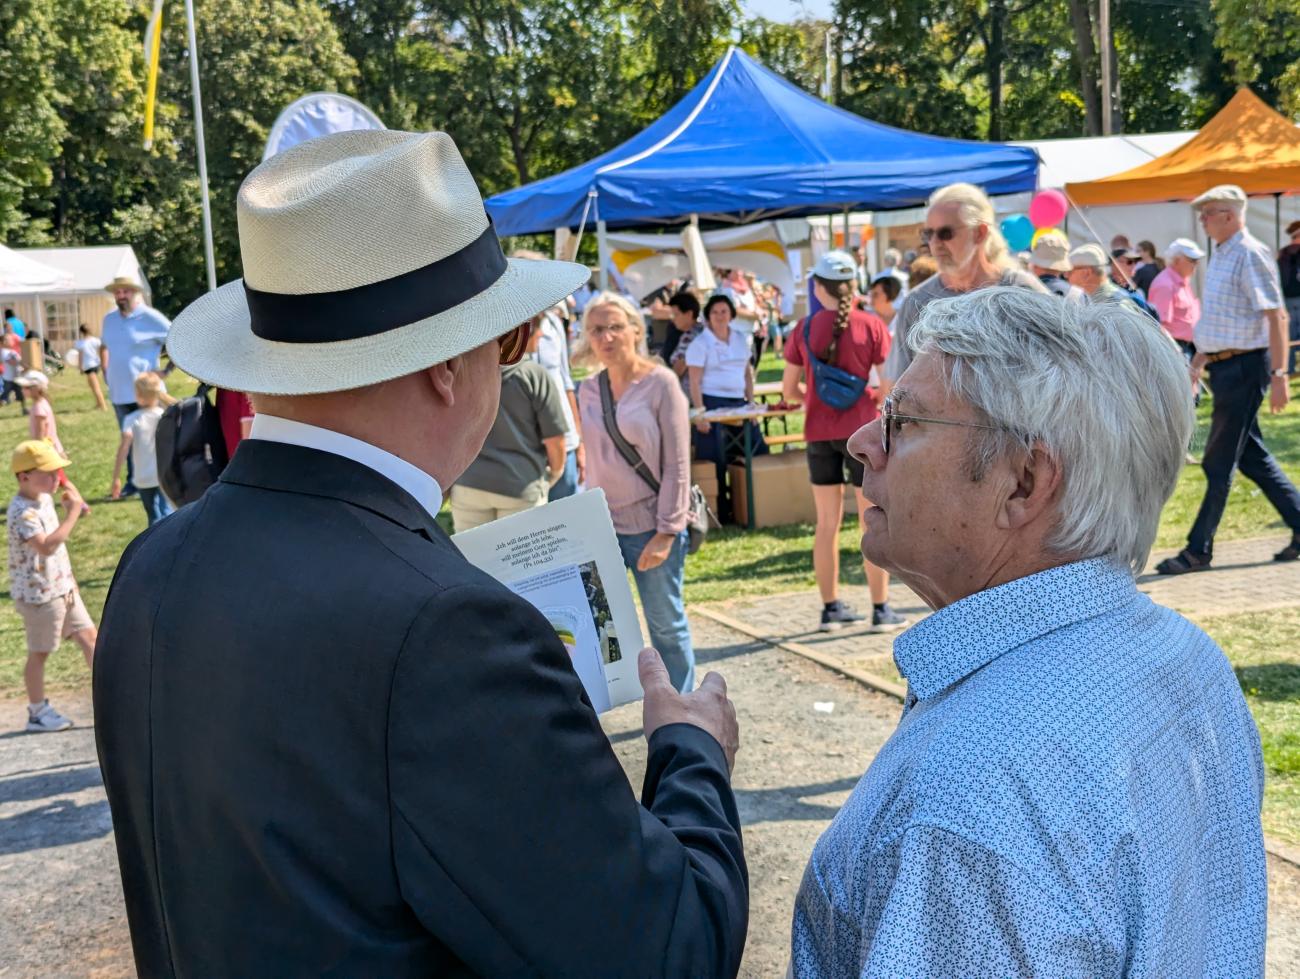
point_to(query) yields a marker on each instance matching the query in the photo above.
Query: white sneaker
(47, 719)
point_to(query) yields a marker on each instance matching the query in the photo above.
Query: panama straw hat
(123, 282)
(367, 256)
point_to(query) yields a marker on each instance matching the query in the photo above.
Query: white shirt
(553, 354)
(143, 426)
(88, 349)
(723, 363)
(415, 481)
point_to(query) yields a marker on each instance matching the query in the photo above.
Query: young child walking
(139, 438)
(40, 573)
(90, 362)
(41, 423)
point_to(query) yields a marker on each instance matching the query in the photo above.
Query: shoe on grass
(885, 619)
(836, 614)
(46, 719)
(1184, 562)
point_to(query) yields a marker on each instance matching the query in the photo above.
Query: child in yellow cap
(40, 573)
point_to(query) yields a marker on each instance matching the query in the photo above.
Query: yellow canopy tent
(1246, 143)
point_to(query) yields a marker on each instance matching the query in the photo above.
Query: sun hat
(1186, 248)
(123, 282)
(835, 266)
(1222, 194)
(32, 379)
(1091, 256)
(1125, 253)
(367, 256)
(37, 454)
(1051, 252)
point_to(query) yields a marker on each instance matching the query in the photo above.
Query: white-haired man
(1074, 786)
(1241, 337)
(962, 235)
(360, 756)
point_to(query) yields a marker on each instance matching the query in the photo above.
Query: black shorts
(829, 461)
(91, 370)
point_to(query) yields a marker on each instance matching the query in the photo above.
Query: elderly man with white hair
(1074, 786)
(961, 232)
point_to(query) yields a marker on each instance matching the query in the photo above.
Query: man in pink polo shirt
(1172, 295)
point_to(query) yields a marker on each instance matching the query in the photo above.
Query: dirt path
(60, 898)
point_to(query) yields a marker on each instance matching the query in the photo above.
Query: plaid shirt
(1241, 283)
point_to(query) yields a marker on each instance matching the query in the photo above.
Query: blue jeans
(567, 484)
(661, 599)
(156, 506)
(122, 411)
(1238, 385)
(1293, 311)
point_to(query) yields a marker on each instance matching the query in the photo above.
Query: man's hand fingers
(714, 681)
(653, 673)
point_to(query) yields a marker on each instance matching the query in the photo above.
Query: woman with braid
(853, 340)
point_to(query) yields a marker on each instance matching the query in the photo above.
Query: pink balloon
(1048, 208)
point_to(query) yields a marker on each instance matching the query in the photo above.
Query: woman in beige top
(651, 414)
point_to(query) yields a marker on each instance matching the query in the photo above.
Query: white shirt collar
(415, 481)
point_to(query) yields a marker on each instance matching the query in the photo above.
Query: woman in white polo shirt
(721, 375)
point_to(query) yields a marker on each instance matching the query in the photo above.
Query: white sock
(35, 709)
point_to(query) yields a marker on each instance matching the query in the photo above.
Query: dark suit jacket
(333, 747)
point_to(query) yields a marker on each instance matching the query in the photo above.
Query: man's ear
(442, 378)
(1037, 480)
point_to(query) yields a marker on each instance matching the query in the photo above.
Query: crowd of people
(457, 807)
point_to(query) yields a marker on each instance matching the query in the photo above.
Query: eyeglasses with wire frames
(514, 343)
(889, 417)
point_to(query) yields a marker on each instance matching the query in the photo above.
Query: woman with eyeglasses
(852, 340)
(524, 451)
(649, 514)
(961, 232)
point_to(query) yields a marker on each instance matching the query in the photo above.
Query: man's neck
(978, 273)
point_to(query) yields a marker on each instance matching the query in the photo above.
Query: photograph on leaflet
(563, 558)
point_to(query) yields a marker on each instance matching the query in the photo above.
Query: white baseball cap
(836, 266)
(1186, 248)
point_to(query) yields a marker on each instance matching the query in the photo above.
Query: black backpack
(191, 448)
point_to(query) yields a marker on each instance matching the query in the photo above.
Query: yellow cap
(37, 454)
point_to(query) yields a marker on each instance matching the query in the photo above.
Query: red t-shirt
(863, 344)
(232, 408)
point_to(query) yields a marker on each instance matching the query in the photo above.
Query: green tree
(1260, 41)
(255, 57)
(30, 126)
(795, 51)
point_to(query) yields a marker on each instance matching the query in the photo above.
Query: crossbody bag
(697, 523)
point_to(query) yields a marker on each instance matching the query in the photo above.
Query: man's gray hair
(973, 208)
(1099, 387)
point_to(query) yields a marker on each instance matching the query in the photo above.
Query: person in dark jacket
(332, 746)
(1288, 267)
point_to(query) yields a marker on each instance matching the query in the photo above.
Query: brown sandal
(1290, 552)
(1184, 562)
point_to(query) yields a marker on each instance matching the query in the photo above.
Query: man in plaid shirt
(1241, 332)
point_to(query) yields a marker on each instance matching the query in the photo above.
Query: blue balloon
(1018, 230)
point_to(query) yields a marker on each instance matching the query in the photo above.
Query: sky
(788, 10)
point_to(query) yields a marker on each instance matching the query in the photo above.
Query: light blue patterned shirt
(1241, 282)
(1073, 790)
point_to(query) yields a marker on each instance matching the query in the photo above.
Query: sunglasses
(943, 234)
(514, 343)
(891, 422)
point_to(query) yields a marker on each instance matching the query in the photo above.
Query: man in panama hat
(331, 745)
(133, 337)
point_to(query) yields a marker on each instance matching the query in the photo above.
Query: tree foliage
(532, 87)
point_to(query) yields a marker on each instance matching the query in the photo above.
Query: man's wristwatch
(1278, 372)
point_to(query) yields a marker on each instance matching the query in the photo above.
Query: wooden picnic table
(745, 440)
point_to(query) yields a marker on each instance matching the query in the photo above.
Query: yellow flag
(152, 47)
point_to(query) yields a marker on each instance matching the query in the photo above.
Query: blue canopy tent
(745, 145)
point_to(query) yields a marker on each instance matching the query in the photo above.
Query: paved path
(60, 898)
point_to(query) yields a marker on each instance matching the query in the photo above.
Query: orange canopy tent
(1246, 143)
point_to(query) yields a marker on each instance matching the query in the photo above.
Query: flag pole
(200, 149)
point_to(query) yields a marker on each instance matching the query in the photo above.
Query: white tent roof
(22, 275)
(92, 267)
(1093, 157)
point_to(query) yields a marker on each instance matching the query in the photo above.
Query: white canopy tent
(25, 281)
